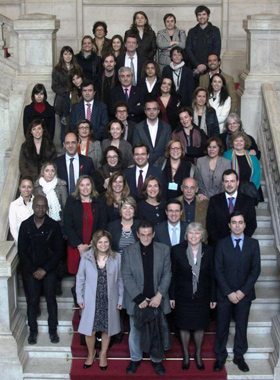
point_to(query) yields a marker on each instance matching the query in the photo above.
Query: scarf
(79, 148)
(53, 202)
(177, 73)
(235, 165)
(107, 169)
(203, 124)
(195, 267)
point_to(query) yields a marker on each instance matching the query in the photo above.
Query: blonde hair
(96, 237)
(195, 226)
(93, 194)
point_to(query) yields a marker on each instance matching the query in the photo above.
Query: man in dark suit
(121, 112)
(237, 268)
(131, 58)
(146, 272)
(71, 165)
(136, 176)
(90, 109)
(126, 92)
(223, 204)
(172, 231)
(153, 132)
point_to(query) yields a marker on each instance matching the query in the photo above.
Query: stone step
(45, 349)
(265, 236)
(268, 255)
(269, 276)
(263, 218)
(259, 346)
(63, 302)
(39, 369)
(260, 321)
(267, 298)
(259, 370)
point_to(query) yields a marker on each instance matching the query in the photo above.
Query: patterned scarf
(235, 165)
(195, 267)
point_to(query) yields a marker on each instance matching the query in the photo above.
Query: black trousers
(32, 288)
(240, 312)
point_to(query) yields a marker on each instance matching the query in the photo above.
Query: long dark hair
(122, 49)
(147, 27)
(61, 64)
(223, 93)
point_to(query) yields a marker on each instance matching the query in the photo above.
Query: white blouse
(18, 212)
(222, 112)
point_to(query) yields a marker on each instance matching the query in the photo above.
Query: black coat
(91, 65)
(48, 116)
(237, 271)
(218, 215)
(115, 229)
(147, 46)
(186, 87)
(73, 219)
(212, 123)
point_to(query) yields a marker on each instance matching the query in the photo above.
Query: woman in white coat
(168, 38)
(21, 209)
(99, 289)
(219, 98)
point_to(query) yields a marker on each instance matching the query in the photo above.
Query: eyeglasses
(83, 127)
(176, 148)
(112, 157)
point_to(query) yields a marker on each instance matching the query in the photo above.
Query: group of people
(154, 165)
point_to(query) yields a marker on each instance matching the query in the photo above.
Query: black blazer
(140, 62)
(181, 282)
(48, 116)
(115, 229)
(73, 219)
(147, 46)
(237, 271)
(186, 87)
(135, 102)
(162, 234)
(85, 164)
(218, 215)
(130, 175)
(99, 117)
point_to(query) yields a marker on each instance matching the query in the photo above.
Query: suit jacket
(85, 165)
(130, 126)
(204, 81)
(135, 102)
(99, 117)
(146, 45)
(235, 271)
(140, 62)
(163, 44)
(73, 219)
(200, 210)
(162, 234)
(186, 87)
(218, 215)
(133, 275)
(142, 134)
(130, 175)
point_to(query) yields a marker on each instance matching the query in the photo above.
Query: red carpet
(118, 356)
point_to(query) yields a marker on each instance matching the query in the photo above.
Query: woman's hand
(106, 181)
(172, 304)
(213, 305)
(83, 248)
(202, 197)
(81, 305)
(253, 152)
(119, 307)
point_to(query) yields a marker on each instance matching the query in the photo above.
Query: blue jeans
(134, 343)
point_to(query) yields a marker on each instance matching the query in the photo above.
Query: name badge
(173, 186)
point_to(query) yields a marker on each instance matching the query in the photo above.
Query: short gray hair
(195, 226)
(123, 69)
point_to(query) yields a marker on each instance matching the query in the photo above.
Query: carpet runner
(118, 360)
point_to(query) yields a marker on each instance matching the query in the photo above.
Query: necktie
(126, 94)
(71, 177)
(88, 112)
(237, 247)
(174, 237)
(133, 70)
(140, 183)
(230, 206)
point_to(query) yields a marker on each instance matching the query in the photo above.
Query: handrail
(269, 139)
(12, 177)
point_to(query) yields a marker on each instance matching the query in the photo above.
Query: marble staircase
(50, 361)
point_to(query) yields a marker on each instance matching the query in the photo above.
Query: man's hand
(39, 274)
(143, 304)
(240, 295)
(233, 298)
(83, 248)
(213, 305)
(202, 197)
(201, 68)
(172, 304)
(156, 300)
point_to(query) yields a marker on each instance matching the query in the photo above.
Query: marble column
(262, 66)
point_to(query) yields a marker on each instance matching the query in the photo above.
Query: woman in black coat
(192, 290)
(88, 59)
(146, 38)
(39, 109)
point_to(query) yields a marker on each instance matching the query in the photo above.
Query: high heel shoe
(185, 364)
(201, 366)
(102, 367)
(85, 366)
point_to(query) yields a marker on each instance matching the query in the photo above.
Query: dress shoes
(54, 338)
(85, 366)
(241, 364)
(199, 364)
(103, 368)
(219, 365)
(32, 339)
(185, 365)
(132, 367)
(159, 368)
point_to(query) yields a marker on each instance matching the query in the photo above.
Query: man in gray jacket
(146, 271)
